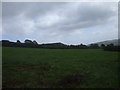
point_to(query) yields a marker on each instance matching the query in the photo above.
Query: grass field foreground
(42, 68)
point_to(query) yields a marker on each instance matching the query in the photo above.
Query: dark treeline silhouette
(27, 43)
(111, 47)
(33, 44)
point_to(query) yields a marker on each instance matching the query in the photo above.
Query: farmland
(51, 68)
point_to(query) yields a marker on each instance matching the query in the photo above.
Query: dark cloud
(30, 9)
(59, 21)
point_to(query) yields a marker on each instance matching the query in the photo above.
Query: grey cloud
(30, 9)
(10, 10)
(88, 15)
(41, 8)
(83, 16)
(54, 20)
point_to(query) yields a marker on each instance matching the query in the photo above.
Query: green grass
(41, 68)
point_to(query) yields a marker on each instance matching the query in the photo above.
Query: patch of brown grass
(72, 80)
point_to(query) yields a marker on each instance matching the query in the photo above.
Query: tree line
(33, 44)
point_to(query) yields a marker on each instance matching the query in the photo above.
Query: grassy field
(42, 68)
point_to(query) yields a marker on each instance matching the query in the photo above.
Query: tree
(110, 44)
(5, 43)
(18, 41)
(94, 46)
(111, 47)
(28, 41)
(81, 46)
(102, 45)
(35, 42)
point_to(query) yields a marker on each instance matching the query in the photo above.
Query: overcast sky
(69, 23)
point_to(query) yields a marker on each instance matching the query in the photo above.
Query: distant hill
(116, 42)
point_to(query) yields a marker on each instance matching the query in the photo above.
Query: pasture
(62, 68)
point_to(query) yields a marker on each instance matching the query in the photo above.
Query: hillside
(116, 42)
